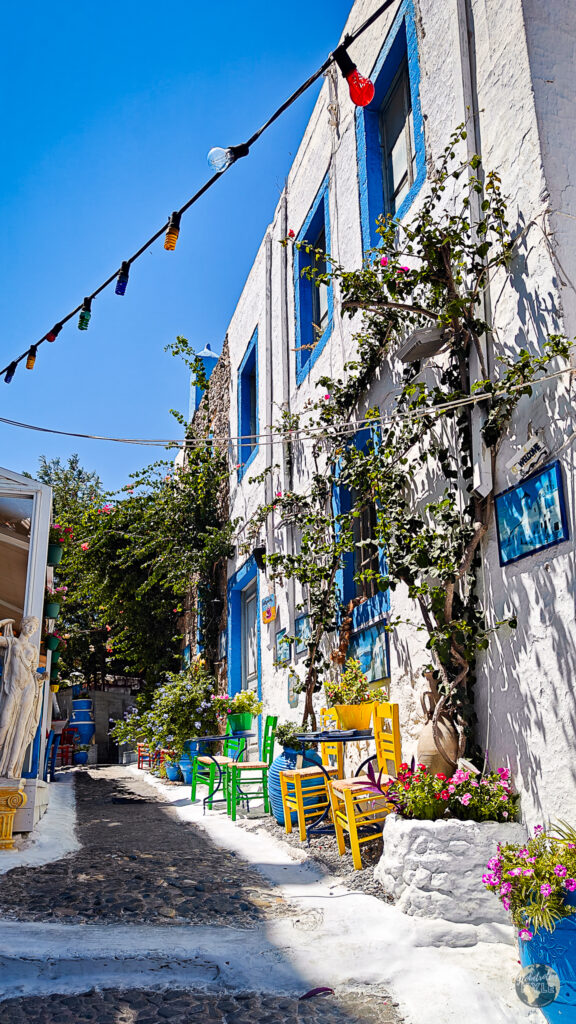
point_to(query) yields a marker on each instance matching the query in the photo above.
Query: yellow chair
(355, 808)
(315, 793)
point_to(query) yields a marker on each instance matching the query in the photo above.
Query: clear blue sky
(109, 110)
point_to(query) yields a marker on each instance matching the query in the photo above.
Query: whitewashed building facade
(433, 62)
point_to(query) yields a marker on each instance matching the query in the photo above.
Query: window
(390, 132)
(313, 303)
(249, 638)
(248, 406)
(366, 552)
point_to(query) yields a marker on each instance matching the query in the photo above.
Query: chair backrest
(268, 738)
(329, 718)
(386, 724)
(234, 746)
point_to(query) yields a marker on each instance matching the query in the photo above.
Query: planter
(51, 609)
(82, 705)
(427, 752)
(186, 768)
(173, 771)
(54, 687)
(557, 948)
(354, 716)
(287, 759)
(56, 655)
(52, 643)
(54, 674)
(55, 552)
(241, 723)
(194, 747)
(433, 868)
(80, 756)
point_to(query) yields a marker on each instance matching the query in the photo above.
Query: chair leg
(211, 783)
(233, 791)
(194, 781)
(352, 830)
(287, 813)
(265, 791)
(300, 808)
(337, 826)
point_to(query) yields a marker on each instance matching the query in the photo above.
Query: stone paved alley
(143, 885)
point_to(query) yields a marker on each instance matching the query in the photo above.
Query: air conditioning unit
(421, 343)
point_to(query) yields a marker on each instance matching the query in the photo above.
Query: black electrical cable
(238, 151)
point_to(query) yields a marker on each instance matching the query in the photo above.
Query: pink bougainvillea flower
(403, 270)
(384, 261)
(570, 884)
(291, 234)
(84, 547)
(525, 934)
(326, 398)
(546, 889)
(560, 870)
(278, 494)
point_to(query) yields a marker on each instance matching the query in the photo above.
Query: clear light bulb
(220, 159)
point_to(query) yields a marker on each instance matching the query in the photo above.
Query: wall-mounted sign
(302, 632)
(528, 458)
(282, 648)
(269, 608)
(531, 516)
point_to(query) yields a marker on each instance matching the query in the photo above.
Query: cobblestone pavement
(138, 863)
(184, 1007)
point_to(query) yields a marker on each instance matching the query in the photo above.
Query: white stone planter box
(434, 868)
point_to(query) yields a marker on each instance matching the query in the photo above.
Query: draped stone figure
(20, 695)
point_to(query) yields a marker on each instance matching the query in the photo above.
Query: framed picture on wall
(282, 648)
(370, 646)
(293, 695)
(531, 515)
(302, 633)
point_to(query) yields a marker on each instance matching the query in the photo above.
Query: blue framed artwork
(293, 695)
(282, 648)
(370, 647)
(532, 515)
(302, 632)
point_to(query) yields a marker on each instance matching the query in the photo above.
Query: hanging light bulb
(221, 159)
(10, 373)
(53, 334)
(361, 89)
(85, 314)
(122, 280)
(173, 231)
(31, 357)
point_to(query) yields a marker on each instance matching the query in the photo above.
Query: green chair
(210, 770)
(248, 780)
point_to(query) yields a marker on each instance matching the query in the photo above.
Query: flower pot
(82, 705)
(427, 752)
(354, 716)
(241, 722)
(54, 674)
(173, 771)
(55, 552)
(557, 948)
(287, 759)
(54, 687)
(186, 768)
(51, 609)
(52, 642)
(56, 655)
(194, 747)
(80, 756)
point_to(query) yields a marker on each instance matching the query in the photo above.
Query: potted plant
(286, 734)
(80, 755)
(53, 641)
(352, 697)
(54, 597)
(439, 838)
(59, 539)
(172, 770)
(535, 881)
(240, 709)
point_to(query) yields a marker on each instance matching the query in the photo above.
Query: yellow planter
(354, 716)
(54, 687)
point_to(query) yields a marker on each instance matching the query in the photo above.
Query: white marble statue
(20, 695)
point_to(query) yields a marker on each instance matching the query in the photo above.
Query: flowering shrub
(352, 687)
(244, 702)
(416, 793)
(532, 881)
(62, 535)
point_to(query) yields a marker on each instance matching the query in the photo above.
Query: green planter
(55, 657)
(54, 673)
(51, 609)
(240, 723)
(55, 552)
(52, 643)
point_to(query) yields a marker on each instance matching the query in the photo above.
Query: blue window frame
(248, 406)
(314, 305)
(240, 586)
(390, 131)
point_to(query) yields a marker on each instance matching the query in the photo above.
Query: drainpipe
(285, 355)
(269, 388)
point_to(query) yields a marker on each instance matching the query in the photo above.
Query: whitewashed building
(433, 62)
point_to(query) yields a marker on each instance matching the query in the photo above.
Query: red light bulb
(361, 89)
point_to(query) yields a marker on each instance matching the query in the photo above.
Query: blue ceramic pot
(172, 771)
(80, 757)
(186, 769)
(557, 948)
(287, 759)
(82, 705)
(193, 747)
(83, 724)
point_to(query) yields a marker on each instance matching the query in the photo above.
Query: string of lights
(308, 433)
(361, 93)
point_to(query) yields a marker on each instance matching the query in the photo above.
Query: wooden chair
(143, 752)
(355, 808)
(206, 770)
(315, 791)
(248, 780)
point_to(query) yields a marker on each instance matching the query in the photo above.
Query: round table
(240, 735)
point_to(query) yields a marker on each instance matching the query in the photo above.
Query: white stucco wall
(524, 692)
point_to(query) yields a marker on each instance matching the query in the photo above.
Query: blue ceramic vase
(287, 759)
(557, 948)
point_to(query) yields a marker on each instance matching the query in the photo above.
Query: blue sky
(109, 111)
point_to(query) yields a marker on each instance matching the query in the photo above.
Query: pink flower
(445, 795)
(560, 870)
(451, 788)
(538, 828)
(109, 628)
(504, 814)
(494, 863)
(514, 872)
(525, 934)
(504, 796)
(326, 398)
(84, 547)
(546, 889)
(278, 494)
(384, 261)
(504, 773)
(403, 270)
(466, 799)
(505, 903)
(505, 888)
(474, 783)
(570, 884)
(523, 852)
(527, 872)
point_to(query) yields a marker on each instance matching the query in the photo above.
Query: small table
(331, 736)
(241, 735)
